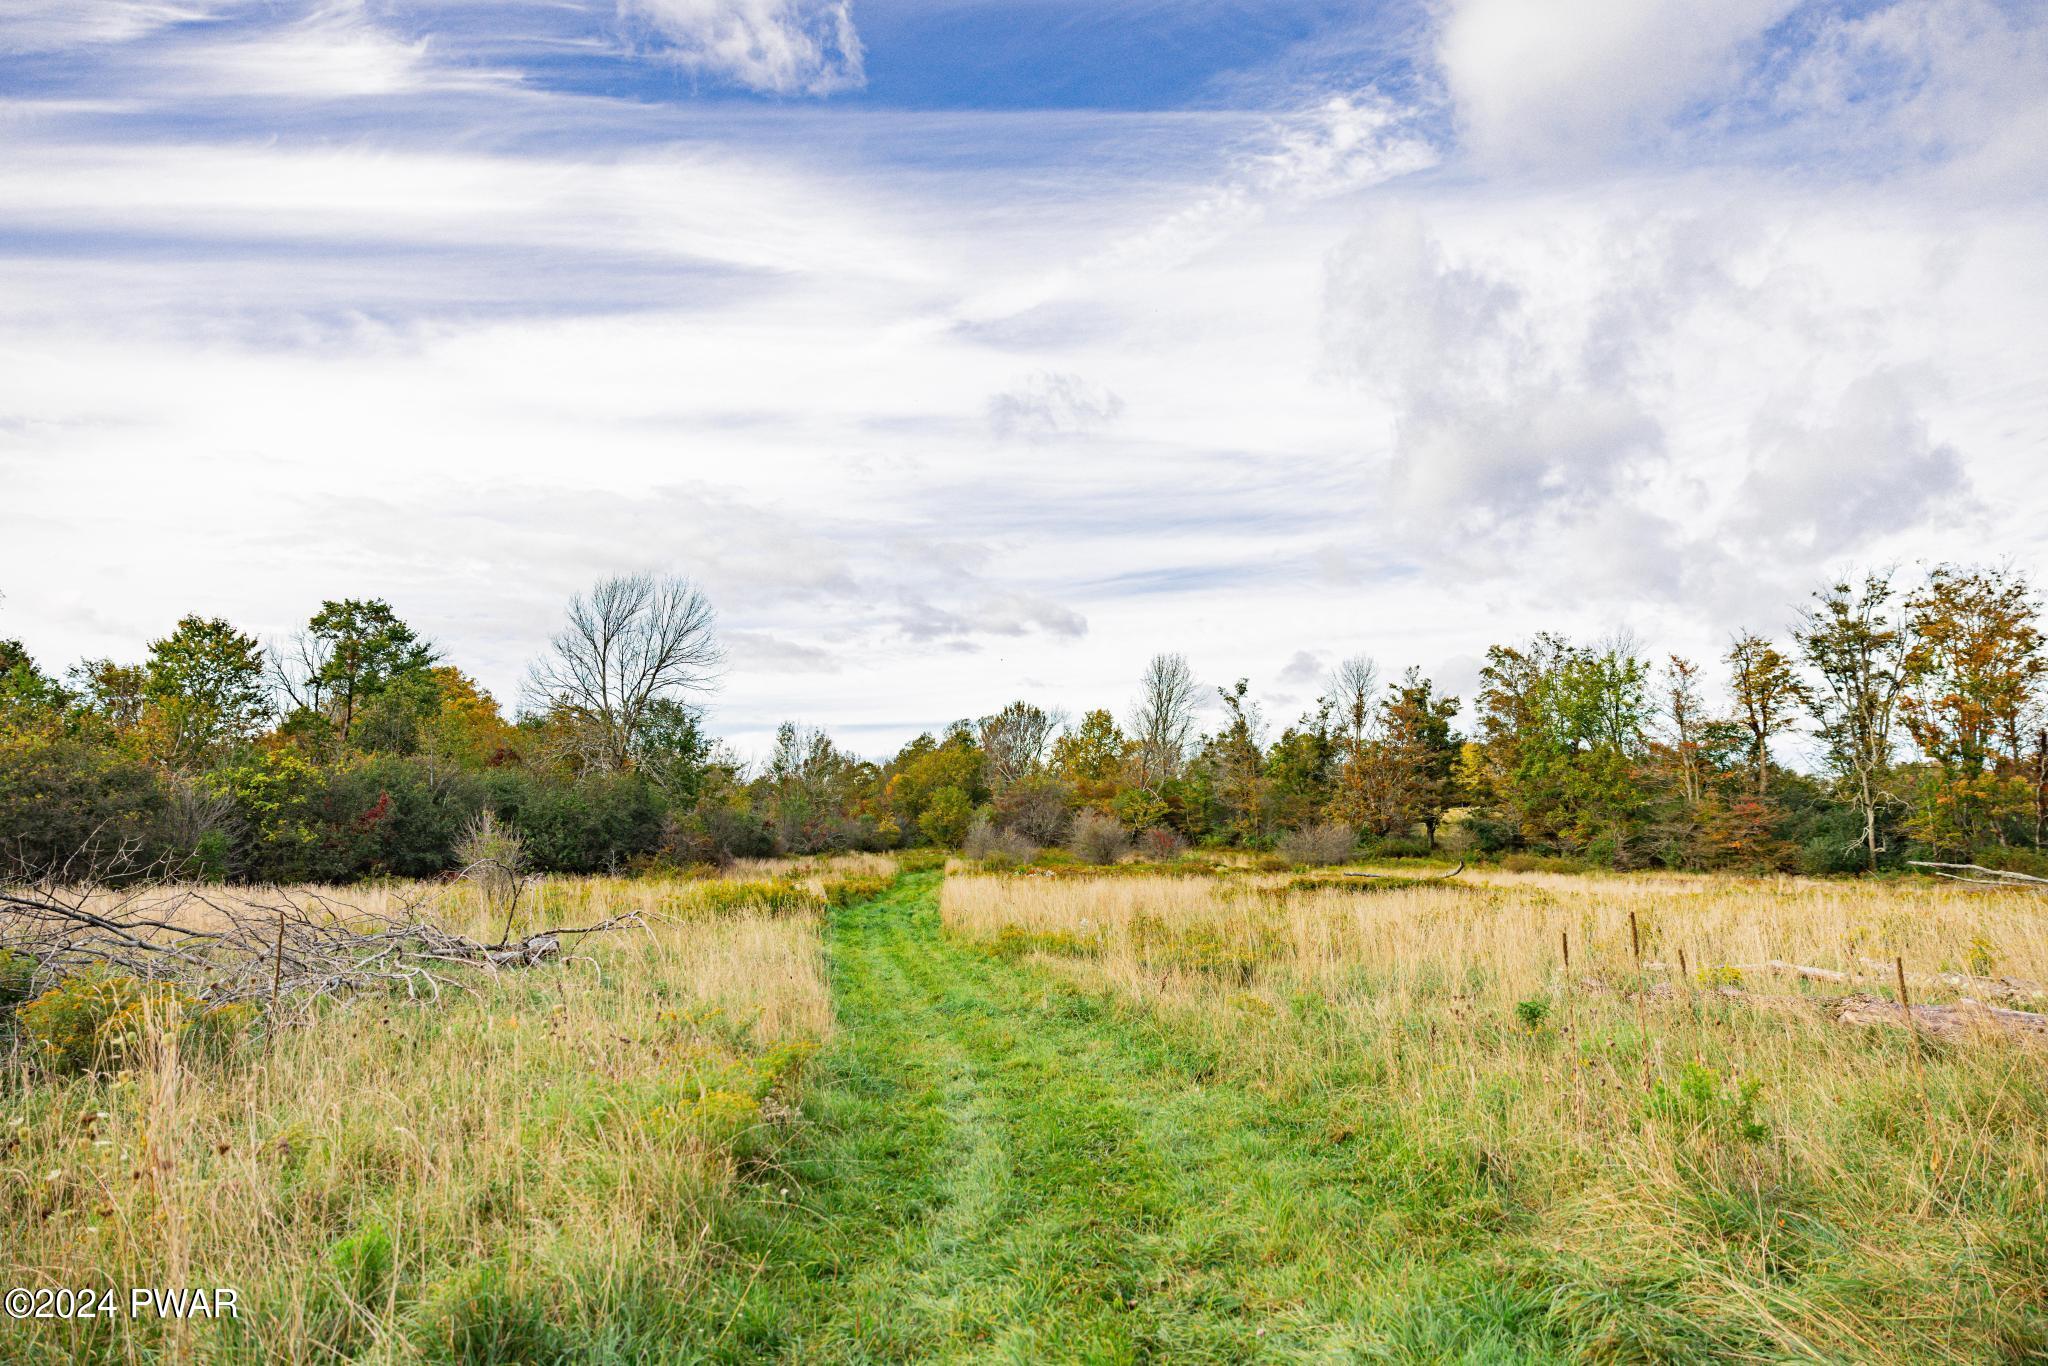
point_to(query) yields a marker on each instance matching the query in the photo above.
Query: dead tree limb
(1403, 877)
(263, 945)
(1976, 875)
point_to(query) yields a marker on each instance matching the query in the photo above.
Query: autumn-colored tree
(1766, 694)
(1091, 759)
(932, 764)
(1973, 668)
(1354, 703)
(1686, 728)
(111, 700)
(1422, 751)
(466, 726)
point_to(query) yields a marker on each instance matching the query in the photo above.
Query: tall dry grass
(545, 1155)
(1747, 1174)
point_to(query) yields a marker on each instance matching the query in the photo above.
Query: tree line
(357, 749)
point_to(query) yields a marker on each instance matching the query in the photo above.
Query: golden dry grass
(384, 1179)
(1802, 1182)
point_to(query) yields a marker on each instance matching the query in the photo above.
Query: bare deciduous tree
(1354, 687)
(1014, 742)
(632, 641)
(1163, 722)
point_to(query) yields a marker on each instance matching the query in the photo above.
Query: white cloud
(1050, 406)
(1302, 670)
(1864, 466)
(780, 47)
(334, 52)
(1929, 81)
(58, 25)
(1496, 416)
(1569, 79)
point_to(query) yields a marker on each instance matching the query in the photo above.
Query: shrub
(1097, 839)
(17, 980)
(1317, 845)
(98, 1015)
(1160, 844)
(1035, 808)
(846, 891)
(991, 844)
(770, 895)
(1701, 1100)
(921, 860)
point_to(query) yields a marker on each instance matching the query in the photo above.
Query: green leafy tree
(1852, 640)
(205, 689)
(946, 816)
(1235, 760)
(351, 653)
(29, 698)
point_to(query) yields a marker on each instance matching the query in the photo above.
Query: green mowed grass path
(997, 1166)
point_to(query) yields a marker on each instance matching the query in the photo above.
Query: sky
(966, 350)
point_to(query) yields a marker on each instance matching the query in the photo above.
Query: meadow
(838, 1110)
(539, 1158)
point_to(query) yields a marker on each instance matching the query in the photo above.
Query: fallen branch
(265, 946)
(1964, 1019)
(1403, 877)
(2002, 988)
(1977, 875)
(1950, 1021)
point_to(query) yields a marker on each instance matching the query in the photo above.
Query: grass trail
(1002, 1168)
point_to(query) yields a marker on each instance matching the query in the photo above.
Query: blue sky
(967, 350)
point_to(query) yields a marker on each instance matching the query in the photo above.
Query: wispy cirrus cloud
(1387, 346)
(36, 26)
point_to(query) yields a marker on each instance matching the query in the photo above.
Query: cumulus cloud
(1496, 413)
(1302, 670)
(1048, 406)
(1568, 79)
(1866, 466)
(778, 47)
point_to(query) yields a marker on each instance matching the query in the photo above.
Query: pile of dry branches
(254, 944)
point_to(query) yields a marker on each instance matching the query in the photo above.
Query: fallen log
(1948, 1021)
(1977, 875)
(2000, 988)
(1962, 1020)
(1403, 877)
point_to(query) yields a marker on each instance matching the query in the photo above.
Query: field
(1061, 1114)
